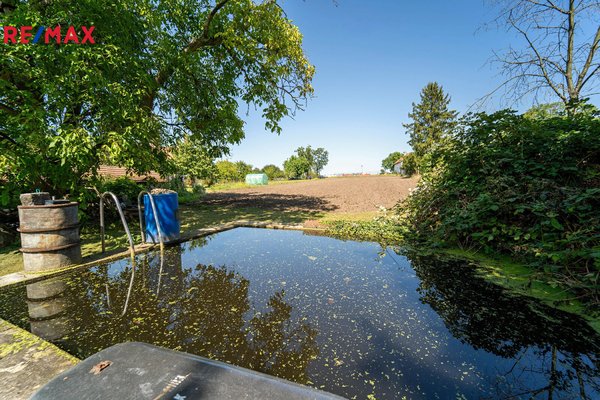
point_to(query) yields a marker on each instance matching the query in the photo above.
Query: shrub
(226, 171)
(273, 172)
(384, 229)
(198, 189)
(296, 167)
(522, 186)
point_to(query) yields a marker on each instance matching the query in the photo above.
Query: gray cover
(143, 371)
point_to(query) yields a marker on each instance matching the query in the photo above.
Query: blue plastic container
(167, 205)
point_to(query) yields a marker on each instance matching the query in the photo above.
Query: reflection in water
(201, 311)
(46, 307)
(480, 314)
(324, 312)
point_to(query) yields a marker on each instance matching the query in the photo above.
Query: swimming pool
(346, 317)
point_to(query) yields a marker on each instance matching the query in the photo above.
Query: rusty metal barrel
(49, 236)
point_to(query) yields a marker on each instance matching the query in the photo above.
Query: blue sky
(372, 59)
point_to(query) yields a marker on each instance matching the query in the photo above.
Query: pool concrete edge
(30, 277)
(27, 362)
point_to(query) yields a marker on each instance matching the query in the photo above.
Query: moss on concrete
(27, 362)
(14, 339)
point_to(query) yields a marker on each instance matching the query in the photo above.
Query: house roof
(118, 172)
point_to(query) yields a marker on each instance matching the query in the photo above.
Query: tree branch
(204, 40)
(570, 46)
(540, 61)
(582, 79)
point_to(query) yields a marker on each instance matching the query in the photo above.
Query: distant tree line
(306, 163)
(228, 171)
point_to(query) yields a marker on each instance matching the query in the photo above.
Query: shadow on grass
(269, 202)
(203, 215)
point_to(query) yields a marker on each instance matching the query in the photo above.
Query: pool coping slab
(30, 277)
(27, 362)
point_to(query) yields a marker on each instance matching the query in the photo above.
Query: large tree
(558, 53)
(296, 167)
(320, 160)
(193, 161)
(159, 71)
(432, 121)
(317, 158)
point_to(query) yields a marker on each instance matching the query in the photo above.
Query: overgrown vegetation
(514, 185)
(385, 228)
(523, 186)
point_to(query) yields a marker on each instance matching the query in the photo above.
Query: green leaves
(162, 74)
(556, 225)
(526, 186)
(307, 162)
(432, 122)
(296, 167)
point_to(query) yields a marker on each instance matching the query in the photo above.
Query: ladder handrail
(130, 288)
(125, 226)
(156, 220)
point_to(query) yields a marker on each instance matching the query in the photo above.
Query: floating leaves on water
(348, 321)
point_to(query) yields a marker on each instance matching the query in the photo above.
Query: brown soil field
(336, 195)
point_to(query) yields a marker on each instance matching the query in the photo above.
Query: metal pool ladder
(156, 220)
(125, 226)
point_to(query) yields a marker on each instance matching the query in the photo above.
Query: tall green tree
(193, 161)
(320, 160)
(226, 171)
(317, 158)
(296, 167)
(306, 153)
(432, 122)
(243, 169)
(159, 71)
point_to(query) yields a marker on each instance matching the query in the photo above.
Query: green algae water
(347, 317)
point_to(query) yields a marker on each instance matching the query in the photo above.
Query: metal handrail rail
(156, 220)
(160, 271)
(125, 226)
